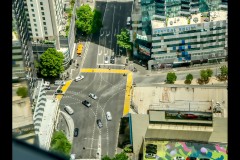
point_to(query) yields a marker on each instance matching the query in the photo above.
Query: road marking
(64, 89)
(128, 94)
(120, 71)
(112, 25)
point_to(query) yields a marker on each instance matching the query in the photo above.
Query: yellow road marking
(120, 71)
(64, 89)
(127, 100)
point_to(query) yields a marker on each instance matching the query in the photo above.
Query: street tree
(204, 75)
(209, 72)
(106, 158)
(22, 91)
(51, 63)
(120, 156)
(123, 39)
(188, 79)
(88, 21)
(224, 70)
(171, 77)
(60, 143)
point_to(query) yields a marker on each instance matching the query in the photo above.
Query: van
(128, 20)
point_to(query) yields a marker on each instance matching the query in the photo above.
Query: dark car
(151, 146)
(76, 132)
(86, 103)
(99, 123)
(112, 59)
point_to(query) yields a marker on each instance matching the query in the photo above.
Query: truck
(79, 49)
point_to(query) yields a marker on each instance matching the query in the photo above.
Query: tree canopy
(60, 143)
(22, 91)
(205, 74)
(171, 77)
(224, 70)
(120, 156)
(88, 21)
(51, 63)
(189, 77)
(123, 39)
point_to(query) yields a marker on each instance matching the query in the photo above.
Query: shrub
(22, 91)
(187, 81)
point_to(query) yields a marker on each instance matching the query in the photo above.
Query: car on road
(76, 132)
(112, 59)
(99, 123)
(178, 158)
(109, 116)
(150, 156)
(106, 60)
(69, 110)
(59, 82)
(79, 78)
(93, 96)
(86, 103)
(59, 92)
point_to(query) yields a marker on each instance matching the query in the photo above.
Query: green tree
(224, 70)
(22, 91)
(121, 156)
(189, 77)
(204, 75)
(123, 39)
(51, 63)
(106, 158)
(209, 72)
(171, 77)
(60, 143)
(72, 3)
(88, 21)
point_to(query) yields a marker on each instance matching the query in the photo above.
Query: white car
(109, 116)
(59, 82)
(69, 110)
(93, 96)
(178, 158)
(79, 78)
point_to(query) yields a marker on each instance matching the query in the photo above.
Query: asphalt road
(110, 89)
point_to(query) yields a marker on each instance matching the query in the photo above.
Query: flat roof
(195, 19)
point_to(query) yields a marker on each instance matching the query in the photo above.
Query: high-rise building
(45, 21)
(180, 31)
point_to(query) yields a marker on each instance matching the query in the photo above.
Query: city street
(110, 90)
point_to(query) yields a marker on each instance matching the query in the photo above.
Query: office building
(180, 32)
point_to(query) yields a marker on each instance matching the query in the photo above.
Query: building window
(43, 13)
(42, 8)
(35, 25)
(33, 15)
(46, 33)
(34, 20)
(32, 10)
(36, 34)
(41, 3)
(43, 18)
(31, 5)
(45, 28)
(44, 23)
(36, 30)
(30, 0)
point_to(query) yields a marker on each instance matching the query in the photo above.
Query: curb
(70, 125)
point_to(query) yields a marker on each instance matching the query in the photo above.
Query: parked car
(178, 158)
(106, 60)
(112, 59)
(93, 96)
(76, 132)
(86, 103)
(79, 78)
(59, 92)
(150, 156)
(59, 82)
(99, 123)
(151, 146)
(69, 110)
(109, 116)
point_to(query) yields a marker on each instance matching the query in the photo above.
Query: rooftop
(194, 19)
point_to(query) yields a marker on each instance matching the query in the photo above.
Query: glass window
(36, 34)
(41, 3)
(41, 8)
(34, 20)
(36, 30)
(42, 13)
(35, 25)
(46, 32)
(32, 10)
(31, 5)
(33, 15)
(44, 23)
(43, 18)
